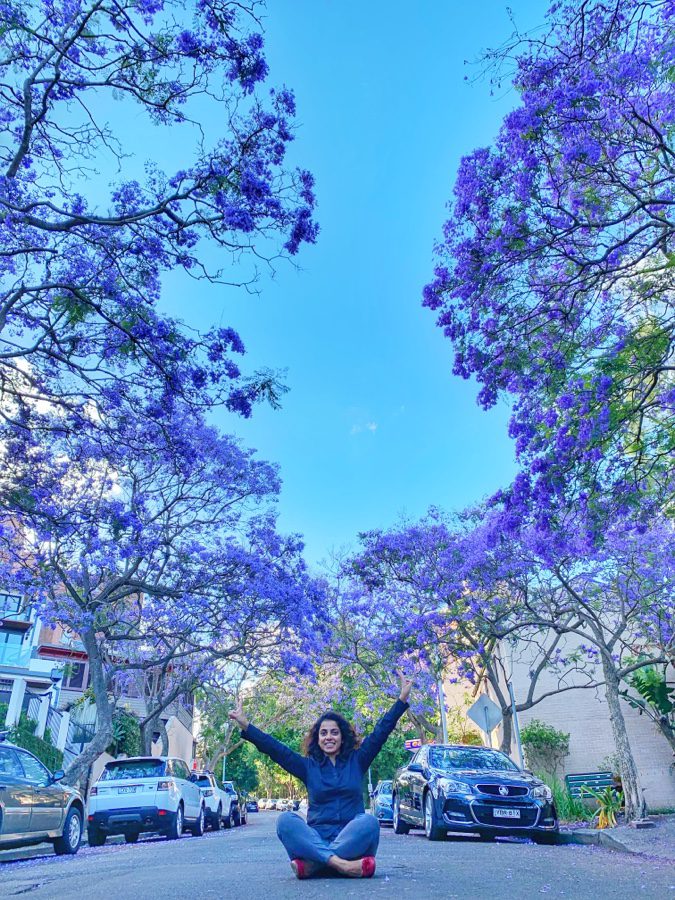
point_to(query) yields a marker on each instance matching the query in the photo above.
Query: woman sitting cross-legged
(338, 833)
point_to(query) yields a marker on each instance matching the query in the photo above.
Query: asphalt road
(249, 862)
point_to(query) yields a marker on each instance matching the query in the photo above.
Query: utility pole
(516, 726)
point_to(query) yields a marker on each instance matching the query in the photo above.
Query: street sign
(486, 714)
(413, 744)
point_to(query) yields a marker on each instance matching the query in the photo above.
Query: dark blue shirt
(335, 792)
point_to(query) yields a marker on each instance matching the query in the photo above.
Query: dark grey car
(34, 806)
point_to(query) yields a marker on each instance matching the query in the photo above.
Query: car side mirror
(58, 776)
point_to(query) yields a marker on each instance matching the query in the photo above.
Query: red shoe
(302, 868)
(367, 866)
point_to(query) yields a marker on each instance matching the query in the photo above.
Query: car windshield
(385, 788)
(203, 781)
(133, 768)
(449, 758)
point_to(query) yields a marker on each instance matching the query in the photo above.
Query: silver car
(34, 807)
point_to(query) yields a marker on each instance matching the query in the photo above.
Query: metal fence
(54, 718)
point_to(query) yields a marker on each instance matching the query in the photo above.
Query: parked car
(237, 805)
(295, 805)
(252, 805)
(380, 803)
(34, 806)
(471, 789)
(264, 803)
(217, 803)
(142, 794)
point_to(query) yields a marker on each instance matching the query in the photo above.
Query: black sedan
(472, 790)
(251, 805)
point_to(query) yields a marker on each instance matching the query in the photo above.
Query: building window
(10, 604)
(76, 676)
(11, 647)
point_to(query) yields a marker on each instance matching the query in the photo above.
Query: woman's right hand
(238, 716)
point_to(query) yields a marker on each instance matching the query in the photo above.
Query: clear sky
(375, 425)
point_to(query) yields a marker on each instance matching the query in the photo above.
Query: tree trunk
(78, 769)
(636, 808)
(164, 737)
(506, 745)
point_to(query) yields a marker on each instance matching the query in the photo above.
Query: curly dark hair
(350, 739)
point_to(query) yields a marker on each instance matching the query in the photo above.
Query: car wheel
(131, 837)
(432, 829)
(95, 837)
(216, 822)
(236, 818)
(198, 828)
(400, 827)
(176, 828)
(227, 820)
(70, 840)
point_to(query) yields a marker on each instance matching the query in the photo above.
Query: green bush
(126, 734)
(569, 808)
(544, 746)
(23, 735)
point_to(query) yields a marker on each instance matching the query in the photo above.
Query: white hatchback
(141, 794)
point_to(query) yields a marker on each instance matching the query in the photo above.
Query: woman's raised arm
(288, 759)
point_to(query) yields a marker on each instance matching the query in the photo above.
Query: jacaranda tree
(556, 269)
(84, 248)
(165, 561)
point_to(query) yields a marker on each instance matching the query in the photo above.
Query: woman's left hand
(406, 687)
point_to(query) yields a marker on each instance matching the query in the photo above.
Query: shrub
(544, 746)
(126, 734)
(569, 808)
(23, 735)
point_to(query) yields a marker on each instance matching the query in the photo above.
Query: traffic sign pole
(441, 703)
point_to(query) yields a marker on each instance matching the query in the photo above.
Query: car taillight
(164, 785)
(93, 792)
(208, 792)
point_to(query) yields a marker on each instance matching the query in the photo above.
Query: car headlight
(542, 792)
(452, 786)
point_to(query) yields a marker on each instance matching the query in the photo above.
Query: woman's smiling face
(330, 737)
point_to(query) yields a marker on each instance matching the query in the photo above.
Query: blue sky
(375, 425)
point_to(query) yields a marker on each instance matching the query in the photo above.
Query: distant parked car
(295, 805)
(219, 805)
(471, 789)
(238, 806)
(34, 806)
(142, 794)
(252, 805)
(381, 803)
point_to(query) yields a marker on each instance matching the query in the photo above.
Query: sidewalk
(656, 843)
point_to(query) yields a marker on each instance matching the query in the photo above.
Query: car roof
(477, 747)
(127, 759)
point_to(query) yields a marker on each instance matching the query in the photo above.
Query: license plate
(126, 790)
(506, 813)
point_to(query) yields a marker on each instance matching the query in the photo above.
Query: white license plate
(126, 790)
(506, 813)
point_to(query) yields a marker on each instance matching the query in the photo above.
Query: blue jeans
(358, 838)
